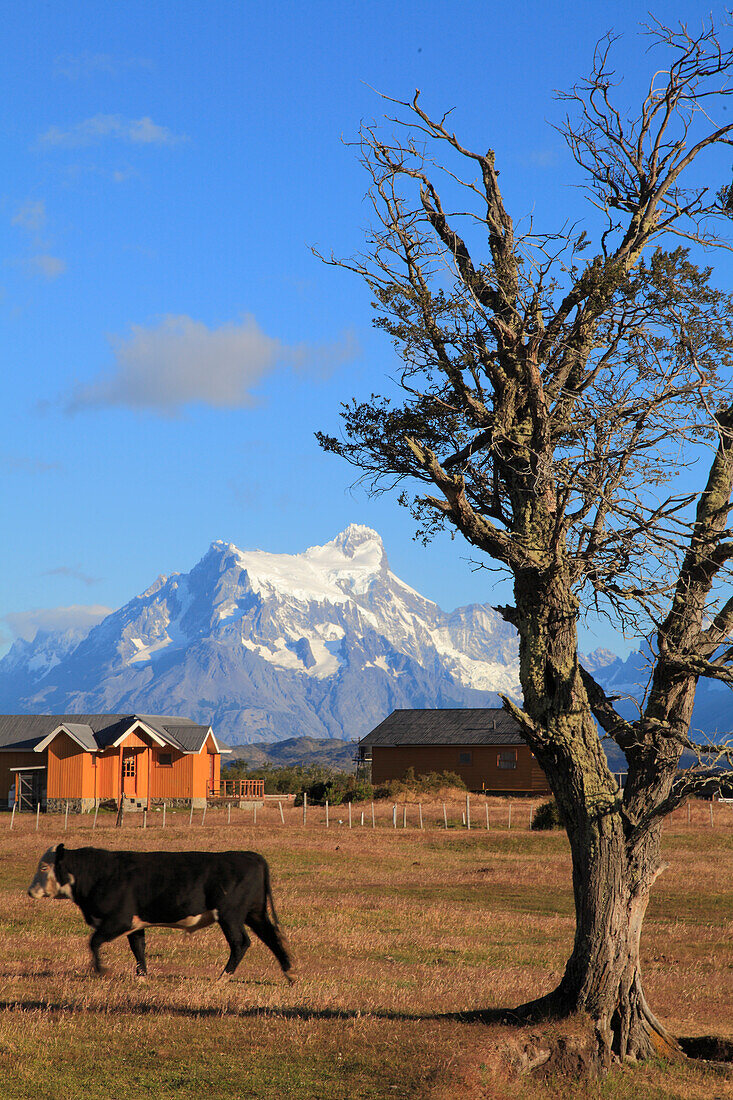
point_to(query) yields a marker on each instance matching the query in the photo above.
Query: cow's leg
(137, 945)
(105, 934)
(95, 942)
(238, 941)
(273, 938)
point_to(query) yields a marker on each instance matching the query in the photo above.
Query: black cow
(123, 893)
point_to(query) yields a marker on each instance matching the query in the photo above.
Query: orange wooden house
(483, 747)
(87, 759)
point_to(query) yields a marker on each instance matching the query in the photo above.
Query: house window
(465, 758)
(128, 766)
(165, 759)
(507, 759)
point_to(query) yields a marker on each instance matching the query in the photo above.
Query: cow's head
(51, 879)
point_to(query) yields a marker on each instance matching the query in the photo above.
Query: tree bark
(611, 882)
(614, 863)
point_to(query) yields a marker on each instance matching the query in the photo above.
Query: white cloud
(92, 131)
(25, 624)
(74, 66)
(21, 464)
(71, 571)
(31, 216)
(45, 266)
(181, 362)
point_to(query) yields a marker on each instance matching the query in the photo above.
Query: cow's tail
(268, 896)
(271, 933)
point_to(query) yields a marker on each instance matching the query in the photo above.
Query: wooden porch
(238, 790)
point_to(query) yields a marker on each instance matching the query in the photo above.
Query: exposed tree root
(570, 1048)
(632, 1033)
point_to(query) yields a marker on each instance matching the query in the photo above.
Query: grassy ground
(397, 935)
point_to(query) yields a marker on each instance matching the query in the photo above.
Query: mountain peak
(354, 537)
(219, 546)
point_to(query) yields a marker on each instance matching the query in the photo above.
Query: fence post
(374, 824)
(711, 813)
(326, 813)
(404, 816)
(487, 817)
(190, 816)
(254, 814)
(349, 815)
(445, 816)
(145, 818)
(305, 807)
(531, 815)
(468, 811)
(203, 815)
(229, 813)
(394, 815)
(12, 816)
(282, 816)
(362, 819)
(419, 808)
(164, 806)
(38, 814)
(66, 816)
(96, 811)
(510, 816)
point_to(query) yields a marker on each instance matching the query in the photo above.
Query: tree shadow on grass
(708, 1048)
(289, 1012)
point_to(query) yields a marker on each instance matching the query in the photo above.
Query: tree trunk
(611, 884)
(614, 864)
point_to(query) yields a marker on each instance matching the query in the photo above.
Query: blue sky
(170, 342)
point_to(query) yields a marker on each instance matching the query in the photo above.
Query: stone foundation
(178, 803)
(88, 805)
(76, 805)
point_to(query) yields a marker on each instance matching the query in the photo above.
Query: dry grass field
(401, 937)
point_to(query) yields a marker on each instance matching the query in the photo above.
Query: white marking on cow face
(45, 884)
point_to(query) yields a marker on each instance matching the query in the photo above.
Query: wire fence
(473, 813)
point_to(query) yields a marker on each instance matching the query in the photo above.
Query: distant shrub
(547, 816)
(291, 779)
(339, 788)
(426, 783)
(358, 790)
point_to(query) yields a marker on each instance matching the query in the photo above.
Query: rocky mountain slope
(304, 751)
(268, 646)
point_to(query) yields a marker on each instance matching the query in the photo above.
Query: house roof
(490, 726)
(26, 732)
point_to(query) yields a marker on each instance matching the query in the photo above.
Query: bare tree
(544, 408)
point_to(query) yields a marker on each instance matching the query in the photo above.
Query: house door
(29, 790)
(212, 773)
(129, 773)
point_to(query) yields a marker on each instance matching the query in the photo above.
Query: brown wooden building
(88, 759)
(483, 747)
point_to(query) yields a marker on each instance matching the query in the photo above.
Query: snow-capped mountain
(629, 680)
(269, 646)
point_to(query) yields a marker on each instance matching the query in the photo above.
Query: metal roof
(188, 738)
(82, 733)
(22, 732)
(491, 726)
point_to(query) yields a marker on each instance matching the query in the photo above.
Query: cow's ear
(58, 864)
